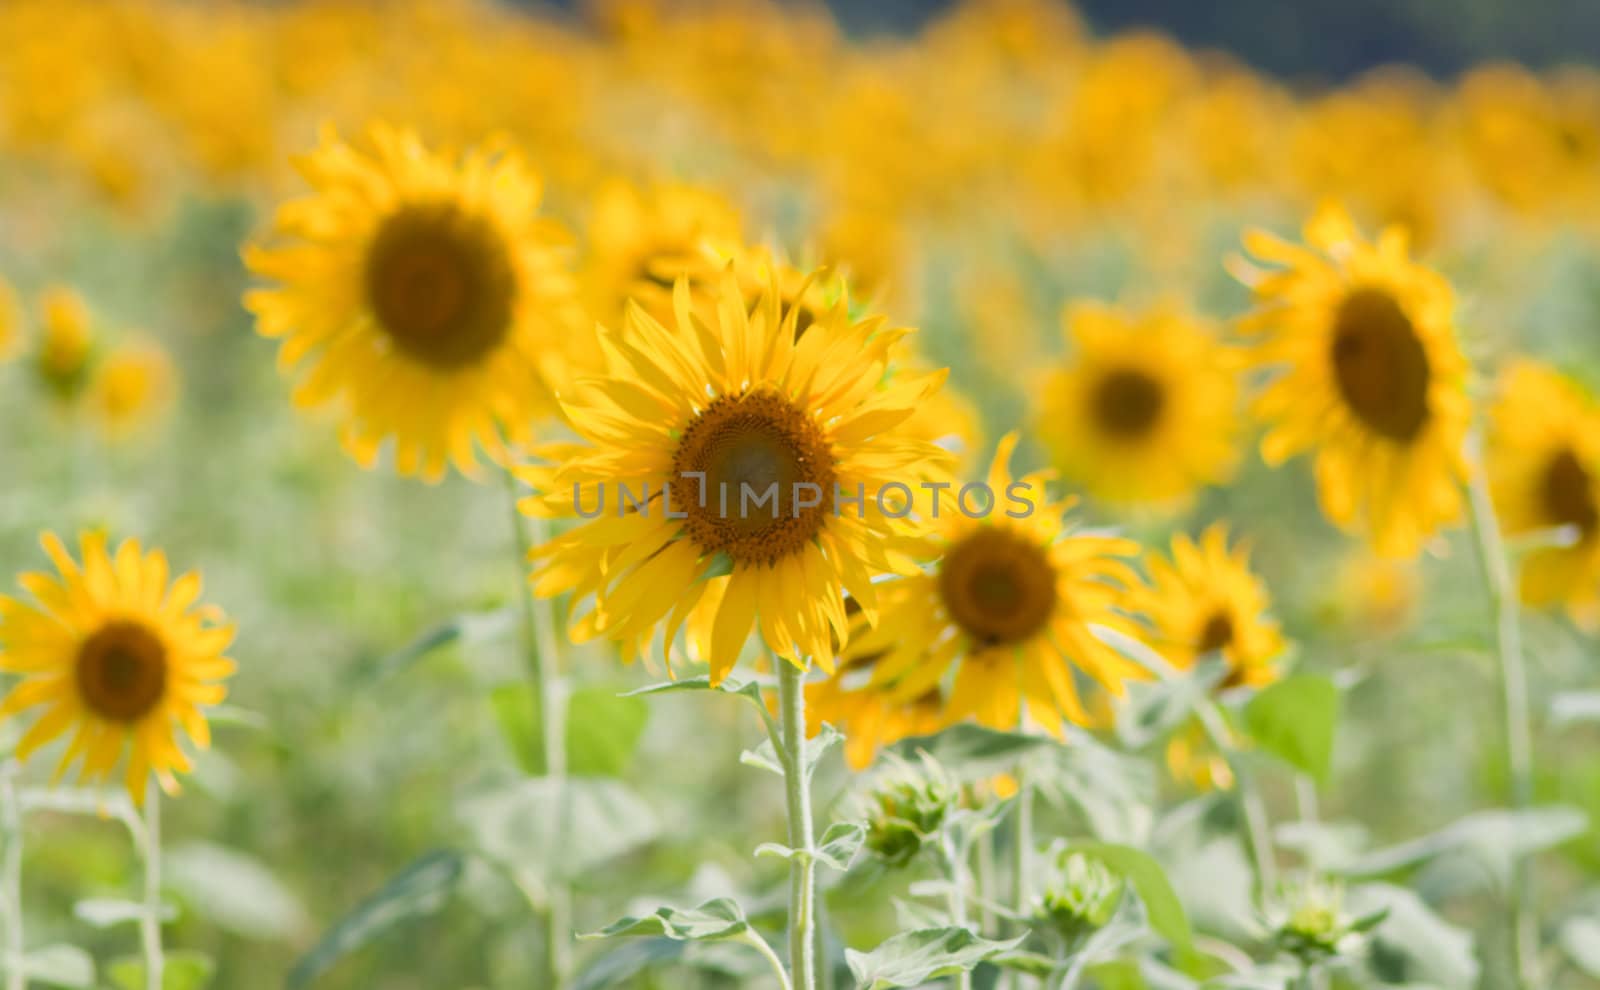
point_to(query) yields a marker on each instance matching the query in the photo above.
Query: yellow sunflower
(1204, 598)
(782, 452)
(423, 297)
(66, 342)
(641, 240)
(10, 322)
(1369, 375)
(131, 388)
(870, 717)
(1008, 602)
(114, 653)
(1544, 472)
(1147, 409)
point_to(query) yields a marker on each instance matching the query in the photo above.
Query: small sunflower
(114, 653)
(1544, 472)
(717, 406)
(1147, 409)
(131, 388)
(66, 342)
(423, 296)
(1370, 376)
(1008, 603)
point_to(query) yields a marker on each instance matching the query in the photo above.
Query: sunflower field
(684, 496)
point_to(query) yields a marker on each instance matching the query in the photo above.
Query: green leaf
(837, 849)
(513, 706)
(1433, 951)
(913, 958)
(471, 625)
(103, 912)
(765, 756)
(234, 891)
(549, 829)
(719, 918)
(1032, 963)
(972, 752)
(422, 889)
(1155, 708)
(1161, 905)
(749, 689)
(603, 730)
(1117, 974)
(1580, 940)
(1496, 838)
(181, 971)
(60, 966)
(1295, 719)
(1115, 793)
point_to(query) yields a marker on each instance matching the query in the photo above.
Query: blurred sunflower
(112, 652)
(1544, 472)
(1370, 376)
(66, 342)
(870, 717)
(710, 406)
(131, 388)
(1146, 411)
(10, 322)
(425, 297)
(641, 240)
(1009, 603)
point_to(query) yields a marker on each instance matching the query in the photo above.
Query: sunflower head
(131, 388)
(1146, 409)
(111, 653)
(1544, 473)
(733, 472)
(1204, 599)
(1007, 601)
(420, 295)
(66, 342)
(1367, 373)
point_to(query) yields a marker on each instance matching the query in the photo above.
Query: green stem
(955, 872)
(756, 942)
(1257, 828)
(15, 978)
(1022, 855)
(540, 651)
(150, 919)
(987, 895)
(1501, 589)
(802, 868)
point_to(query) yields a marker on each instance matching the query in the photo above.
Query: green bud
(907, 808)
(1080, 895)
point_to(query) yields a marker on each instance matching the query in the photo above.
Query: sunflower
(423, 295)
(869, 717)
(109, 650)
(724, 408)
(10, 322)
(1009, 603)
(1544, 471)
(131, 388)
(643, 239)
(66, 342)
(1146, 411)
(1370, 377)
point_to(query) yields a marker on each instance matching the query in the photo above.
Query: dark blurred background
(1323, 39)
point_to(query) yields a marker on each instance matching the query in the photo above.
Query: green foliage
(543, 830)
(1294, 720)
(180, 971)
(1149, 881)
(913, 958)
(715, 919)
(603, 730)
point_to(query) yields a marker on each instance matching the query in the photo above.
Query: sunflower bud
(1080, 895)
(907, 808)
(1311, 925)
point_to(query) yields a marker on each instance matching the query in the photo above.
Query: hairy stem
(1501, 589)
(756, 942)
(12, 811)
(955, 871)
(150, 919)
(797, 790)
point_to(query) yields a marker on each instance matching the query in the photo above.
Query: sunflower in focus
(643, 239)
(420, 295)
(114, 653)
(1147, 409)
(1368, 375)
(718, 406)
(66, 342)
(131, 388)
(1544, 473)
(1008, 603)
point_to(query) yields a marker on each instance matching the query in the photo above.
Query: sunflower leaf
(911, 959)
(1161, 905)
(60, 966)
(715, 919)
(1295, 720)
(180, 971)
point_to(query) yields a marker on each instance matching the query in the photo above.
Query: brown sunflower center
(998, 586)
(121, 671)
(1380, 365)
(1127, 403)
(756, 477)
(1216, 634)
(1568, 493)
(441, 284)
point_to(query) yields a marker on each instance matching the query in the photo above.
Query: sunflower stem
(1022, 855)
(540, 651)
(1501, 589)
(150, 920)
(16, 979)
(955, 871)
(803, 867)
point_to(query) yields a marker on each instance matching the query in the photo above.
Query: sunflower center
(1127, 403)
(1380, 365)
(998, 586)
(1216, 634)
(1569, 493)
(121, 671)
(756, 477)
(441, 284)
